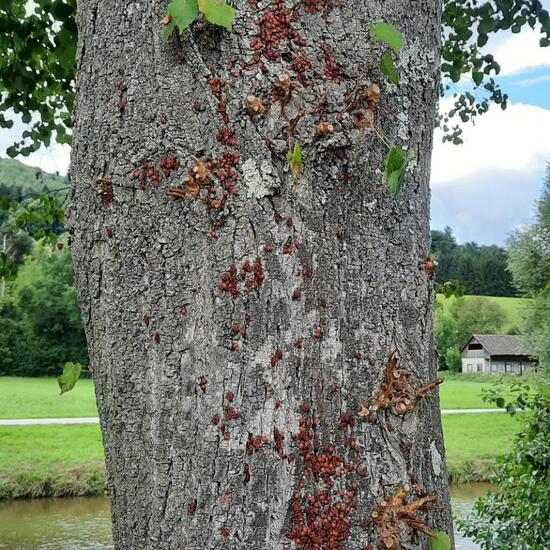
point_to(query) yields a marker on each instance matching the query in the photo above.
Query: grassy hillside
(513, 307)
(19, 179)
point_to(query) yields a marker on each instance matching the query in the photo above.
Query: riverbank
(85, 523)
(39, 461)
(46, 461)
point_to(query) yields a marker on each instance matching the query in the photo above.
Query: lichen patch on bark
(260, 181)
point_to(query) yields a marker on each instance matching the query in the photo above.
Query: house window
(469, 367)
(480, 367)
(508, 368)
(494, 368)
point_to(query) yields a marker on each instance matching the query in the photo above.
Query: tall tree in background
(529, 263)
(253, 293)
(516, 514)
(481, 269)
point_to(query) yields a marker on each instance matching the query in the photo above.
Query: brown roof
(503, 344)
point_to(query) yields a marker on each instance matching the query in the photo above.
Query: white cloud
(520, 52)
(516, 140)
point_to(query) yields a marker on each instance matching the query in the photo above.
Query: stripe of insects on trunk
(322, 514)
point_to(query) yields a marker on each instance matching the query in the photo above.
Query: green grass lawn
(467, 437)
(463, 394)
(39, 398)
(473, 441)
(49, 446)
(68, 460)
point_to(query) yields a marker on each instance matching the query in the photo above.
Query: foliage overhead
(38, 46)
(43, 219)
(467, 28)
(37, 70)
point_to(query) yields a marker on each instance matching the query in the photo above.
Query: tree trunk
(238, 325)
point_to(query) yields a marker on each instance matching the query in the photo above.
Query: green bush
(40, 323)
(453, 359)
(517, 514)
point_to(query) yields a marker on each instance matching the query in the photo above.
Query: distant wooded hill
(481, 269)
(19, 181)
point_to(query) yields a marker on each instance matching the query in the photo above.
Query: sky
(488, 186)
(484, 188)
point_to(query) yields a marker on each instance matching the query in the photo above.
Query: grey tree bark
(238, 325)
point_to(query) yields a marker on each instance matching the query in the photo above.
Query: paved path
(95, 420)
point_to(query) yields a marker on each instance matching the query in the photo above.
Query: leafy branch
(389, 35)
(396, 160)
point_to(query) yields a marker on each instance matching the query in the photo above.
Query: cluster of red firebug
(321, 515)
(274, 30)
(276, 357)
(255, 443)
(147, 172)
(251, 274)
(333, 71)
(225, 169)
(320, 6)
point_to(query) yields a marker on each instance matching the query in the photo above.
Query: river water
(85, 523)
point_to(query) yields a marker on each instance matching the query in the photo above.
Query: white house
(497, 354)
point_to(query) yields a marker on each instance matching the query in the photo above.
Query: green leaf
(478, 77)
(388, 68)
(70, 376)
(218, 12)
(167, 32)
(395, 165)
(295, 159)
(183, 13)
(440, 541)
(388, 34)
